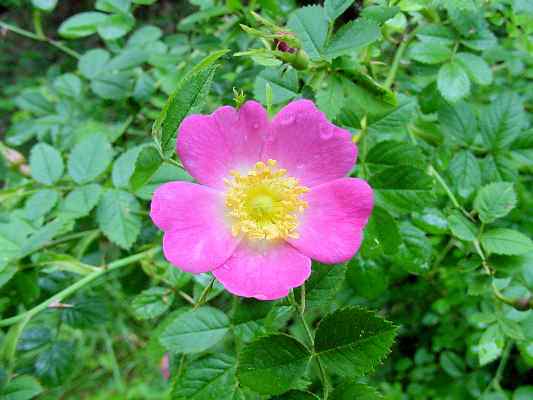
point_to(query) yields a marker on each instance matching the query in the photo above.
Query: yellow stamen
(265, 203)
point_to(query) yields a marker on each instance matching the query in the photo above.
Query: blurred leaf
(22, 387)
(81, 201)
(452, 364)
(495, 201)
(490, 345)
(152, 302)
(89, 158)
(334, 8)
(453, 82)
(459, 122)
(430, 52)
(44, 5)
(284, 85)
(86, 312)
(40, 204)
(476, 67)
(351, 37)
(46, 164)
(310, 24)
(354, 390)
(146, 165)
(82, 24)
(54, 365)
(465, 173)
(506, 241)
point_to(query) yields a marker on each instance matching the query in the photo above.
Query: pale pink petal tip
(266, 274)
(165, 367)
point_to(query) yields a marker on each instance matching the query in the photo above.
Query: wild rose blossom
(270, 196)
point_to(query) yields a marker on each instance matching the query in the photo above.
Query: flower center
(265, 203)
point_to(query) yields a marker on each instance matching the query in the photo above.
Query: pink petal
(197, 237)
(211, 145)
(310, 147)
(331, 227)
(266, 271)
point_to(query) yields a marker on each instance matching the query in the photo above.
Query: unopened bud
(12, 156)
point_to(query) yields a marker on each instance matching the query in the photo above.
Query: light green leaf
(490, 345)
(188, 97)
(476, 67)
(330, 96)
(430, 52)
(458, 122)
(352, 341)
(380, 14)
(89, 158)
(117, 216)
(68, 85)
(22, 387)
(415, 251)
(452, 364)
(152, 302)
(209, 378)
(334, 8)
(115, 26)
(40, 203)
(82, 24)
(352, 36)
(124, 166)
(46, 164)
(44, 5)
(310, 24)
(453, 82)
(284, 85)
(195, 331)
(81, 201)
(355, 390)
(435, 33)
(296, 395)
(146, 165)
(495, 201)
(113, 85)
(462, 227)
(93, 62)
(465, 173)
(506, 241)
(113, 6)
(272, 364)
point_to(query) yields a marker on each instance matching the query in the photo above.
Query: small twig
(203, 296)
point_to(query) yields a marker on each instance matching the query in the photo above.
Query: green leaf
(310, 24)
(452, 364)
(393, 123)
(68, 85)
(44, 234)
(46, 164)
(112, 86)
(296, 395)
(465, 173)
(502, 121)
(506, 241)
(435, 33)
(490, 345)
(113, 6)
(430, 52)
(511, 329)
(476, 67)
(146, 165)
(380, 14)
(124, 166)
(461, 227)
(272, 364)
(89, 158)
(392, 152)
(453, 82)
(382, 235)
(402, 188)
(33, 338)
(334, 8)
(352, 36)
(115, 26)
(93, 62)
(324, 283)
(151, 303)
(22, 387)
(367, 278)
(355, 390)
(188, 97)
(352, 341)
(82, 24)
(495, 201)
(209, 378)
(40, 204)
(284, 85)
(415, 252)
(458, 121)
(330, 96)
(54, 365)
(195, 331)
(81, 201)
(118, 218)
(86, 312)
(44, 5)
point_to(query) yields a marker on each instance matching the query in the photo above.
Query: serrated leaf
(355, 390)
(22, 387)
(367, 278)
(465, 173)
(272, 364)
(506, 241)
(86, 312)
(40, 204)
(296, 395)
(124, 166)
(152, 302)
(351, 37)
(452, 364)
(46, 164)
(117, 216)
(209, 378)
(495, 201)
(453, 82)
(81, 201)
(352, 341)
(146, 165)
(477, 68)
(382, 235)
(334, 8)
(195, 331)
(490, 345)
(54, 365)
(393, 123)
(330, 97)
(324, 283)
(415, 251)
(392, 152)
(284, 85)
(461, 227)
(459, 122)
(188, 97)
(310, 24)
(430, 52)
(89, 158)
(380, 14)
(502, 121)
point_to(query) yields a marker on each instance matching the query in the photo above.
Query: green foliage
(436, 94)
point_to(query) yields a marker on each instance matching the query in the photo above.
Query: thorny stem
(58, 297)
(38, 37)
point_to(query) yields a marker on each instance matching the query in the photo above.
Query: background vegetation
(438, 96)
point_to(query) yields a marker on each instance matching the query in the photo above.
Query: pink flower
(165, 367)
(271, 196)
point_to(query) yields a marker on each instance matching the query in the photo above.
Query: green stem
(448, 191)
(31, 35)
(396, 62)
(58, 297)
(37, 24)
(117, 376)
(203, 296)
